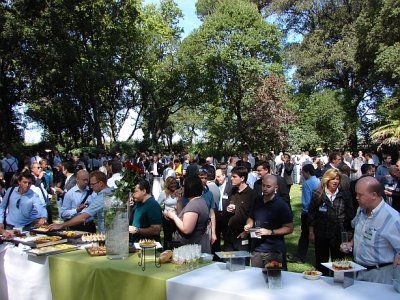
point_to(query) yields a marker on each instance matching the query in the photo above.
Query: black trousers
(169, 228)
(325, 247)
(302, 247)
(87, 226)
(221, 227)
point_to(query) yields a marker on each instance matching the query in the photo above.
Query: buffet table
(22, 276)
(76, 275)
(216, 282)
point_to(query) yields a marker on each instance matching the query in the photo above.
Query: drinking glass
(344, 246)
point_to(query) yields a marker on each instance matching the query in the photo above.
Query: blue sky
(190, 20)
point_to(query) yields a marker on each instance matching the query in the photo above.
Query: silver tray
(38, 252)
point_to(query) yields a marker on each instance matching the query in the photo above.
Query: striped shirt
(376, 237)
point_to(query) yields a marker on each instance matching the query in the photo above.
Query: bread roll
(165, 256)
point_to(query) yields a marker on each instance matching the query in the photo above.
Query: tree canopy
(84, 69)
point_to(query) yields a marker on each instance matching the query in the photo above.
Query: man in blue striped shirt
(376, 240)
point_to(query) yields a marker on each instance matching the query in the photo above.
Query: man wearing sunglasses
(98, 183)
(21, 207)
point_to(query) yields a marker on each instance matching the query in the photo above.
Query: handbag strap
(90, 191)
(7, 204)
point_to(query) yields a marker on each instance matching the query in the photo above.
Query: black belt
(377, 266)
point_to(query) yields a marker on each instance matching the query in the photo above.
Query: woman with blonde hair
(168, 202)
(330, 213)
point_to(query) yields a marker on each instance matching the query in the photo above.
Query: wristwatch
(272, 232)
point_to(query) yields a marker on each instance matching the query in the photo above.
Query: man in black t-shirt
(272, 218)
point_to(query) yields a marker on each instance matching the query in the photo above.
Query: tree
(11, 82)
(320, 122)
(225, 61)
(271, 117)
(77, 62)
(159, 78)
(337, 51)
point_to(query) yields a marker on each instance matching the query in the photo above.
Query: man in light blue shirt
(21, 207)
(72, 203)
(376, 241)
(98, 183)
(383, 169)
(310, 184)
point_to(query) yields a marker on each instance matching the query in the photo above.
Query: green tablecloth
(76, 275)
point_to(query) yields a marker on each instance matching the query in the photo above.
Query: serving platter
(25, 238)
(355, 267)
(54, 249)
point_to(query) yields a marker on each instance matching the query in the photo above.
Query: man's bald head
(369, 192)
(371, 184)
(272, 179)
(82, 179)
(394, 171)
(269, 186)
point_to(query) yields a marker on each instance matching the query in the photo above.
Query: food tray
(26, 240)
(69, 234)
(233, 254)
(55, 249)
(101, 251)
(355, 267)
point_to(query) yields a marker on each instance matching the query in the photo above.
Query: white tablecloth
(214, 282)
(23, 277)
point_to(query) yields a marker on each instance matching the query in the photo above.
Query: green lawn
(292, 239)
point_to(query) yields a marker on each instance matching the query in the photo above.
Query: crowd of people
(237, 203)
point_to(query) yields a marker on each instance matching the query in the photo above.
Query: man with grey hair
(376, 241)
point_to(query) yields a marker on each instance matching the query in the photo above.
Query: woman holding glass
(167, 201)
(330, 214)
(193, 219)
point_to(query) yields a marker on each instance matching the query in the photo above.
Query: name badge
(245, 242)
(323, 209)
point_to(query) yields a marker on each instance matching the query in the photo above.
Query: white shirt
(331, 196)
(111, 181)
(222, 195)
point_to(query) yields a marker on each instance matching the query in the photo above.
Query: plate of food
(26, 237)
(147, 243)
(144, 243)
(46, 239)
(312, 275)
(343, 266)
(71, 234)
(96, 251)
(42, 228)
